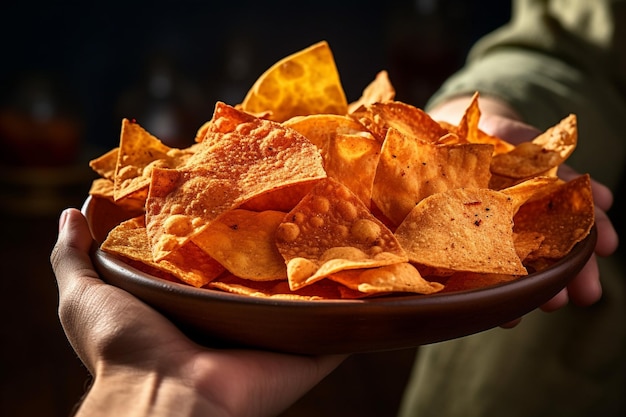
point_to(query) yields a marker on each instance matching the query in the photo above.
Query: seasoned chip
(526, 242)
(409, 171)
(103, 188)
(400, 277)
(282, 199)
(352, 160)
(378, 91)
(468, 229)
(468, 129)
(279, 289)
(306, 82)
(227, 169)
(563, 213)
(349, 151)
(320, 128)
(331, 230)
(189, 264)
(105, 164)
(243, 242)
(546, 151)
(140, 152)
(408, 120)
(463, 281)
(525, 190)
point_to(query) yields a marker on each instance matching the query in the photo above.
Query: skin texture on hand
(499, 119)
(143, 365)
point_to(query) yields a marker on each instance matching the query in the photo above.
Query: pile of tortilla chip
(296, 193)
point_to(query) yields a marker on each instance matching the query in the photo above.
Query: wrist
(132, 394)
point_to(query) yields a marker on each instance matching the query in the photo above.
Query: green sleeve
(552, 59)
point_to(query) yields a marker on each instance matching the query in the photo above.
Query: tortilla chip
(378, 91)
(227, 170)
(105, 164)
(400, 277)
(320, 128)
(463, 229)
(408, 120)
(321, 290)
(408, 171)
(331, 230)
(140, 152)
(243, 242)
(189, 264)
(546, 151)
(306, 82)
(563, 213)
(352, 160)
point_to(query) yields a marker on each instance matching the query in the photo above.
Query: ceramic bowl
(220, 319)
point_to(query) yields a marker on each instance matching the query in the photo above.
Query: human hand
(499, 119)
(143, 365)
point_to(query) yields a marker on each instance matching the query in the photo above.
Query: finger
(585, 289)
(560, 300)
(511, 324)
(70, 255)
(602, 195)
(608, 239)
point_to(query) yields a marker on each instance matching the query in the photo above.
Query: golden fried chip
(546, 151)
(525, 190)
(400, 277)
(105, 164)
(189, 264)
(562, 213)
(306, 82)
(227, 170)
(409, 120)
(409, 171)
(282, 199)
(320, 128)
(139, 152)
(349, 151)
(468, 129)
(331, 230)
(243, 242)
(378, 91)
(463, 229)
(526, 242)
(468, 126)
(103, 188)
(352, 160)
(463, 281)
(320, 290)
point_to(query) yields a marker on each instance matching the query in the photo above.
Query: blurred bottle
(39, 124)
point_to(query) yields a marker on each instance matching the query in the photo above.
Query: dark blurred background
(70, 71)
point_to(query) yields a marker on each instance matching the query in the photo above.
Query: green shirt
(555, 58)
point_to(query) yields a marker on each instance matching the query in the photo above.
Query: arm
(555, 58)
(143, 365)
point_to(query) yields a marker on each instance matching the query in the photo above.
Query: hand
(499, 119)
(143, 365)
